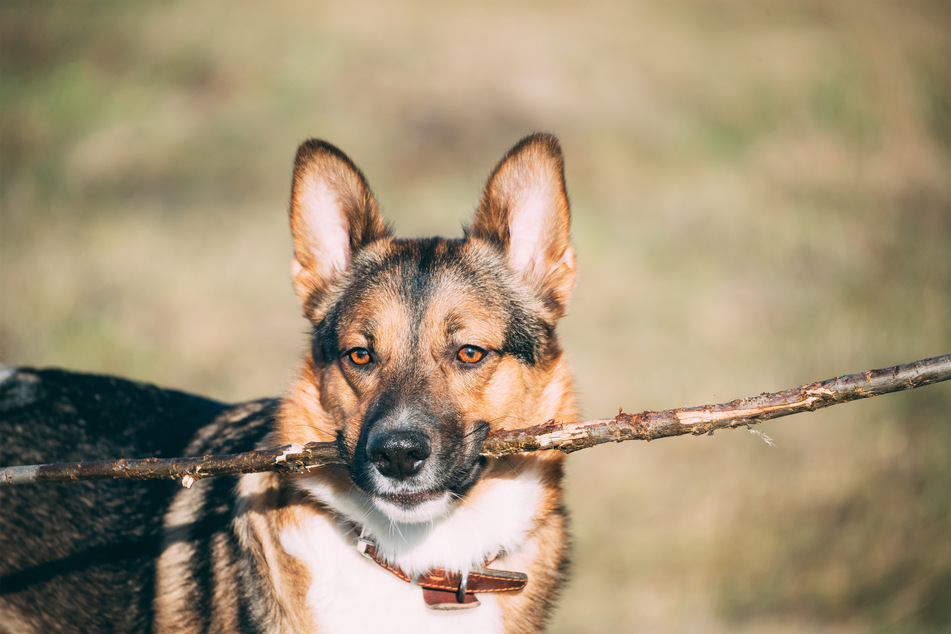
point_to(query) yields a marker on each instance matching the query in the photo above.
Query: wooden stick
(569, 437)
(566, 437)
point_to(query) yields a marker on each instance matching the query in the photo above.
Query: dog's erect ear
(524, 210)
(333, 215)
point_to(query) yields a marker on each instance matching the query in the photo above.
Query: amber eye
(359, 356)
(470, 354)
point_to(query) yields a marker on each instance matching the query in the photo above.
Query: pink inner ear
(327, 239)
(528, 231)
(538, 245)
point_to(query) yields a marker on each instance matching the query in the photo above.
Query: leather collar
(444, 590)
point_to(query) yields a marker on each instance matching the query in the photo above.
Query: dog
(418, 349)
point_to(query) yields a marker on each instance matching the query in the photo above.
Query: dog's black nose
(399, 454)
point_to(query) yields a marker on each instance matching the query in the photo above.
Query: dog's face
(421, 347)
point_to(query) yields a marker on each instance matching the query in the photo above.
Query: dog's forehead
(421, 277)
(419, 272)
(402, 290)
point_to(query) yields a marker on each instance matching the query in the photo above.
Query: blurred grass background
(761, 195)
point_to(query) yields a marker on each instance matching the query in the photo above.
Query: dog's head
(421, 347)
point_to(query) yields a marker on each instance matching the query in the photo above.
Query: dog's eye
(470, 354)
(360, 356)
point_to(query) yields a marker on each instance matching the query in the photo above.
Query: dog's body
(419, 349)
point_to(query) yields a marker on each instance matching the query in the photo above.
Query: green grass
(762, 197)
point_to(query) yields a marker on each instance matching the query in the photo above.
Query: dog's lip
(475, 472)
(409, 500)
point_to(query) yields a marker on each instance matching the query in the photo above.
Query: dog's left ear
(524, 210)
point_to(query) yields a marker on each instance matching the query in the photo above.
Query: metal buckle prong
(461, 590)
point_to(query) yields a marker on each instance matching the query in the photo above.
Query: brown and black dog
(419, 348)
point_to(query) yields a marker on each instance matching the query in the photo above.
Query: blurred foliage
(761, 196)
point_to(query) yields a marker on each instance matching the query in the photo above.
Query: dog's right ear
(333, 215)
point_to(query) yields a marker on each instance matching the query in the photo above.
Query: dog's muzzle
(413, 464)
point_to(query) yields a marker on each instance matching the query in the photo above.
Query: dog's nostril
(399, 454)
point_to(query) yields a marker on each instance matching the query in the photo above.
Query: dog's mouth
(426, 504)
(412, 500)
(457, 489)
(415, 507)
